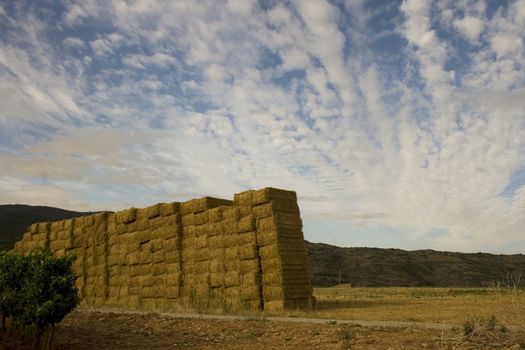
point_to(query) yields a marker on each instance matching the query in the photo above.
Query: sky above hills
(399, 123)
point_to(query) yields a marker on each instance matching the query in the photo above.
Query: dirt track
(105, 330)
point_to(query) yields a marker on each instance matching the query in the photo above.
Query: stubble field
(381, 318)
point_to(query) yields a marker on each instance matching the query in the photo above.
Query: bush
(38, 290)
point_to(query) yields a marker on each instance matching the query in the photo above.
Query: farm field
(437, 305)
(87, 329)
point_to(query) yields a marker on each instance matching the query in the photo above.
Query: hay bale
(269, 251)
(157, 257)
(202, 204)
(216, 279)
(243, 198)
(201, 242)
(266, 224)
(246, 224)
(121, 229)
(171, 244)
(215, 214)
(201, 218)
(265, 195)
(141, 224)
(231, 213)
(245, 210)
(231, 253)
(188, 220)
(172, 256)
(201, 255)
(215, 229)
(251, 265)
(232, 278)
(229, 226)
(57, 226)
(216, 242)
(248, 251)
(126, 216)
(201, 230)
(250, 279)
(152, 211)
(133, 259)
(249, 292)
(167, 209)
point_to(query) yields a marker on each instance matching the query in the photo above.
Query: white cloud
(506, 44)
(74, 42)
(470, 26)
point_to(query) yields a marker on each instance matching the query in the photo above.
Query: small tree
(46, 294)
(13, 267)
(51, 294)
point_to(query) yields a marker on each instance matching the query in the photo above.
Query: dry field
(468, 308)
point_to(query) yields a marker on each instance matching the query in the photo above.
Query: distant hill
(376, 267)
(16, 218)
(329, 265)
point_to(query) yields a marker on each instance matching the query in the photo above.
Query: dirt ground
(95, 330)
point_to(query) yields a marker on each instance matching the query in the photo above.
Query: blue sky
(399, 123)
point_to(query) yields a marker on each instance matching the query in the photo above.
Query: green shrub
(38, 290)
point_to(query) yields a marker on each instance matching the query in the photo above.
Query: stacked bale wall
(247, 253)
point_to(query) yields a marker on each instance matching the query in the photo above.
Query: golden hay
(265, 195)
(188, 220)
(201, 218)
(215, 214)
(243, 198)
(167, 209)
(250, 278)
(133, 259)
(231, 213)
(202, 230)
(172, 244)
(250, 292)
(201, 255)
(158, 256)
(216, 241)
(201, 242)
(246, 224)
(251, 265)
(172, 256)
(126, 216)
(248, 251)
(216, 279)
(232, 278)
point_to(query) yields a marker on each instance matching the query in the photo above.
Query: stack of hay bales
(197, 256)
(209, 252)
(285, 276)
(95, 259)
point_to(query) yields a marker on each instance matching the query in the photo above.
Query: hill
(16, 218)
(376, 267)
(329, 265)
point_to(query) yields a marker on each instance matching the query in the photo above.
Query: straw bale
(133, 259)
(232, 278)
(95, 270)
(201, 230)
(158, 256)
(144, 236)
(89, 220)
(232, 293)
(188, 255)
(145, 257)
(248, 251)
(274, 305)
(201, 218)
(216, 265)
(57, 226)
(245, 210)
(201, 255)
(57, 245)
(121, 229)
(216, 241)
(156, 222)
(201, 242)
(171, 244)
(156, 244)
(216, 279)
(100, 218)
(250, 278)
(149, 292)
(33, 228)
(231, 252)
(43, 227)
(247, 238)
(231, 213)
(133, 301)
(152, 211)
(246, 224)
(173, 279)
(265, 195)
(172, 255)
(26, 236)
(188, 219)
(167, 209)
(172, 292)
(229, 226)
(200, 267)
(250, 292)
(157, 268)
(287, 219)
(266, 224)
(202, 204)
(215, 214)
(269, 251)
(189, 243)
(141, 224)
(173, 268)
(214, 229)
(232, 265)
(171, 220)
(243, 198)
(251, 265)
(59, 253)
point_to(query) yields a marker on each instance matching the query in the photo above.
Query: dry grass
(445, 305)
